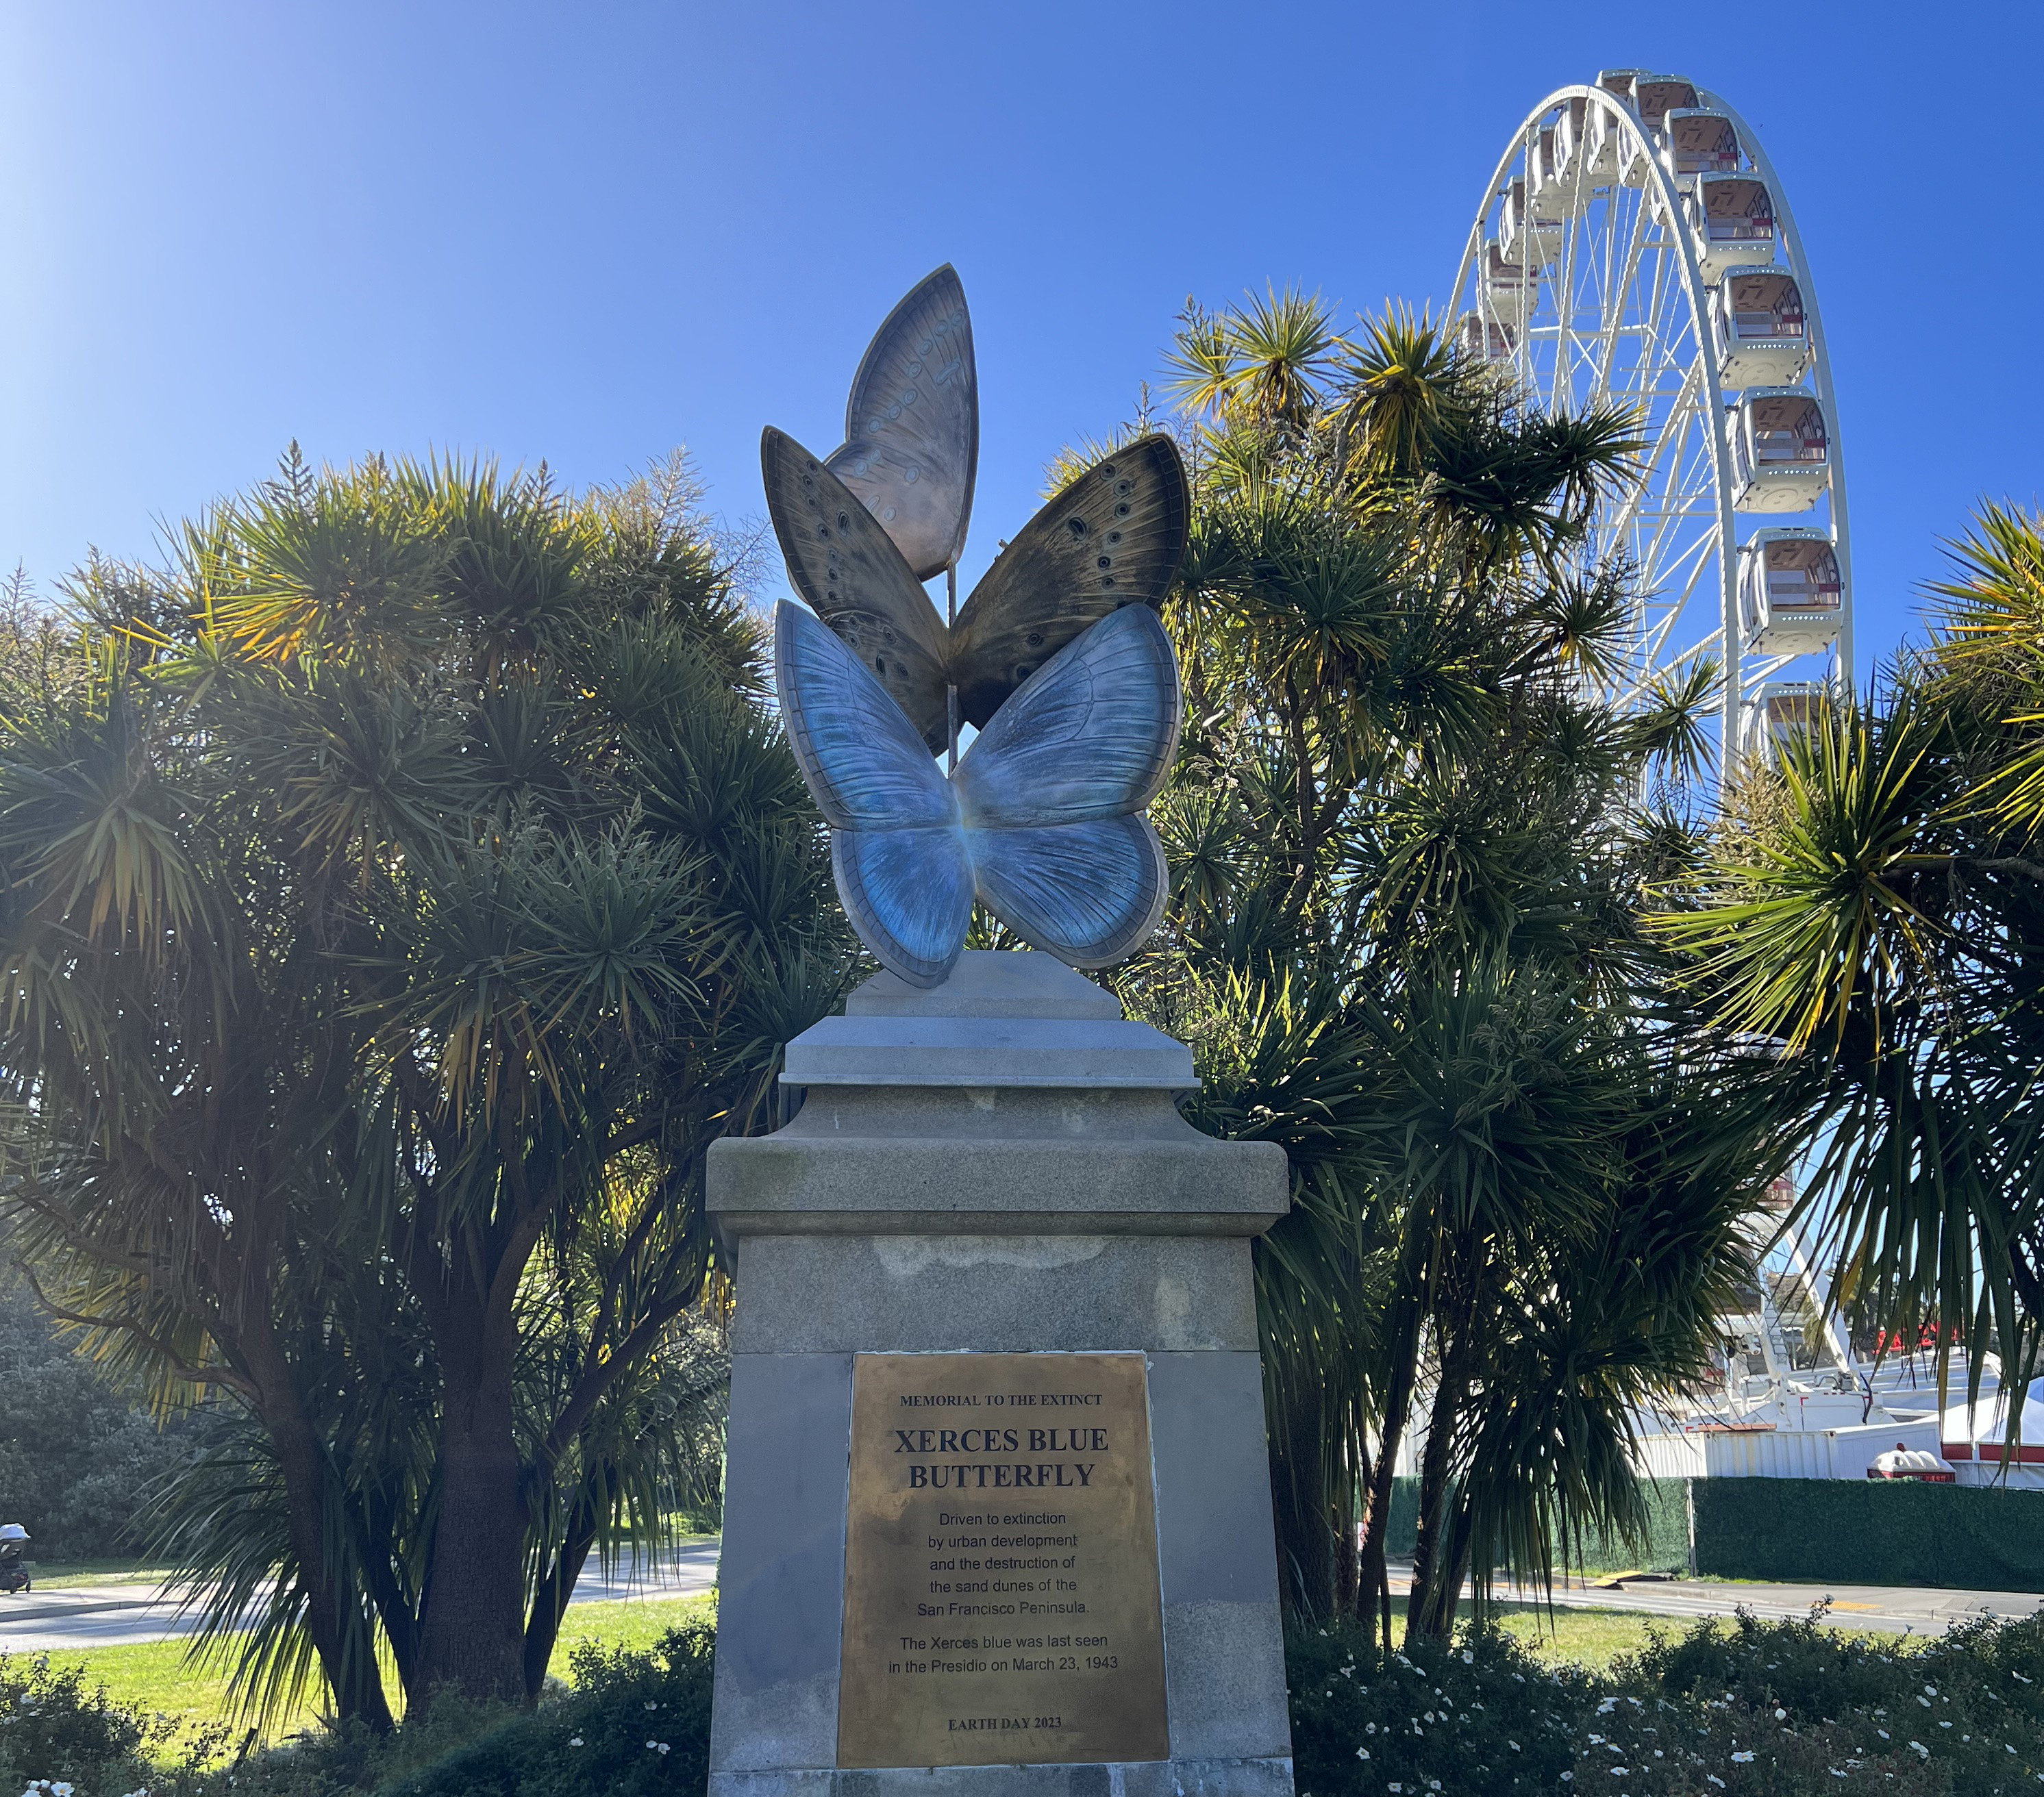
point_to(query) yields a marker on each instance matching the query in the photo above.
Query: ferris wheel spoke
(1667, 440)
(1614, 310)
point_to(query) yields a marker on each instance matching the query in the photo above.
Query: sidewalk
(1904, 1609)
(104, 1615)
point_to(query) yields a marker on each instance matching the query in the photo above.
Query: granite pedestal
(997, 1166)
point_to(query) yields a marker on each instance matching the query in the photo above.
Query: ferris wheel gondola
(1635, 247)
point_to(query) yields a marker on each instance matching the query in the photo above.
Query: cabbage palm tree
(1404, 940)
(410, 887)
(1875, 905)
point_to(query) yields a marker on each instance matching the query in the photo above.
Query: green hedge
(1667, 1549)
(1858, 1532)
(1870, 1532)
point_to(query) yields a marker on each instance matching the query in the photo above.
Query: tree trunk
(1348, 1557)
(1298, 1452)
(1433, 1557)
(1373, 1576)
(471, 1625)
(550, 1603)
(346, 1656)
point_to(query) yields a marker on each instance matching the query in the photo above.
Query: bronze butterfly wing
(911, 450)
(850, 574)
(1112, 538)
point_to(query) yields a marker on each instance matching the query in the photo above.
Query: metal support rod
(950, 692)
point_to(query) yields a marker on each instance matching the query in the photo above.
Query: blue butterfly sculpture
(1041, 821)
(1058, 658)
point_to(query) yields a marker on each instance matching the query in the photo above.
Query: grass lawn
(154, 1675)
(55, 1574)
(1592, 1638)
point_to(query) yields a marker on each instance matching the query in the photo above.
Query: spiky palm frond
(1410, 391)
(1826, 929)
(1403, 933)
(1266, 361)
(1671, 727)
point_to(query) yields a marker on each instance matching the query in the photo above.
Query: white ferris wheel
(1635, 247)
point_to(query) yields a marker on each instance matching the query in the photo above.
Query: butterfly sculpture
(1059, 660)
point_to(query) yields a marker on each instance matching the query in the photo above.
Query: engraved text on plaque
(1002, 1602)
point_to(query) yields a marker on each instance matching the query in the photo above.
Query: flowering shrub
(1745, 1710)
(1776, 1708)
(636, 1725)
(57, 1738)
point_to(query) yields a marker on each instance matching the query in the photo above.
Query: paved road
(97, 1615)
(100, 1615)
(1905, 1609)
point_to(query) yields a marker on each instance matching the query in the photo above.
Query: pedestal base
(982, 1216)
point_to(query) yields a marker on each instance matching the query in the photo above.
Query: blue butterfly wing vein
(1090, 734)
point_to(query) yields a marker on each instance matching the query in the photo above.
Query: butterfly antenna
(950, 691)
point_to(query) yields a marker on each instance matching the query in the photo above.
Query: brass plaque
(1000, 1597)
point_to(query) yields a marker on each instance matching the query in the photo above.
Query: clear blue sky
(589, 233)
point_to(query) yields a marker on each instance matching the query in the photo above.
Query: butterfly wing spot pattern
(1041, 821)
(1071, 564)
(1113, 537)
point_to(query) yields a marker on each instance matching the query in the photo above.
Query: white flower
(1596, 1741)
(1931, 1689)
(1714, 1779)
(1944, 1725)
(1370, 1728)
(1394, 1787)
(1608, 1705)
(1516, 1748)
(1884, 1735)
(665, 1748)
(651, 1744)
(1919, 1747)
(574, 1740)
(1781, 1715)
(1362, 1753)
(1469, 1658)
(1744, 1758)
(1925, 1702)
(59, 1789)
(1620, 1771)
(1433, 1784)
